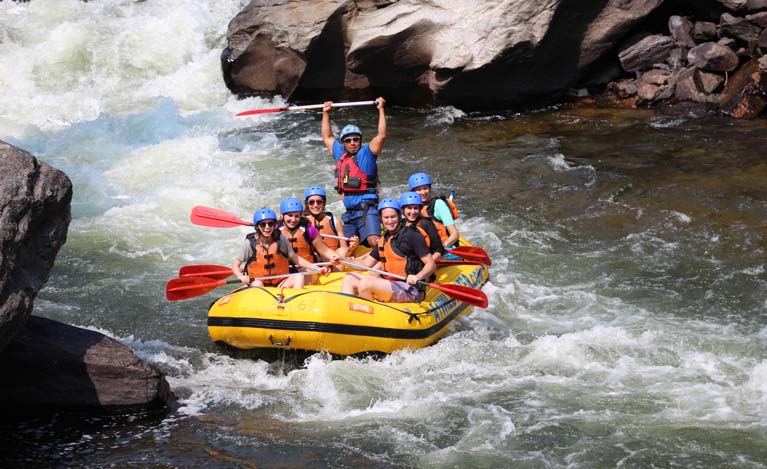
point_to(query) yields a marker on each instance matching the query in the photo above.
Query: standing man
(357, 174)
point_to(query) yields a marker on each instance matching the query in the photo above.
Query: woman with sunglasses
(303, 237)
(315, 199)
(357, 174)
(265, 253)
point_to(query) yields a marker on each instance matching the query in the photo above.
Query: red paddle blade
(443, 262)
(216, 272)
(250, 112)
(189, 287)
(206, 216)
(468, 295)
(472, 253)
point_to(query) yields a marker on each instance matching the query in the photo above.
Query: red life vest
(326, 226)
(351, 179)
(266, 261)
(299, 240)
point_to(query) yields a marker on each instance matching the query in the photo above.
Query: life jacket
(428, 211)
(326, 226)
(420, 229)
(266, 261)
(424, 225)
(389, 253)
(351, 179)
(299, 240)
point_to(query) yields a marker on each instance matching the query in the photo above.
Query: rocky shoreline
(510, 54)
(49, 367)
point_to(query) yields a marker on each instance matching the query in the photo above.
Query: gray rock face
(53, 367)
(34, 217)
(456, 51)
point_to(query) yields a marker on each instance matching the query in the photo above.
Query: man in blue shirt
(357, 174)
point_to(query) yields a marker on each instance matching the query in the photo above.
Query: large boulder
(34, 217)
(465, 53)
(52, 367)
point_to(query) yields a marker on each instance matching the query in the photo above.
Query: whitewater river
(628, 297)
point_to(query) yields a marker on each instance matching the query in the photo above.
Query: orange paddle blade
(216, 272)
(468, 295)
(472, 253)
(206, 216)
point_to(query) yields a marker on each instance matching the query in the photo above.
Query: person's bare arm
(377, 143)
(327, 132)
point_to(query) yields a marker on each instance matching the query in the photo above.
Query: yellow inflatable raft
(321, 318)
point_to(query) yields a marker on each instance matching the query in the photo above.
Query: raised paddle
(206, 216)
(190, 287)
(301, 108)
(468, 295)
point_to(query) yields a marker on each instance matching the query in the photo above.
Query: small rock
(753, 5)
(708, 82)
(704, 31)
(744, 96)
(623, 89)
(680, 29)
(763, 39)
(759, 19)
(648, 91)
(645, 53)
(713, 57)
(737, 28)
(654, 77)
(688, 88)
(677, 58)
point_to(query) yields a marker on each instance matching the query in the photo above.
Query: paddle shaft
(305, 107)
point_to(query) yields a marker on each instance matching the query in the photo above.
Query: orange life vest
(299, 240)
(441, 228)
(267, 261)
(351, 179)
(326, 226)
(389, 253)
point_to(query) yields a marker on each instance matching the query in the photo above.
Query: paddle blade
(472, 253)
(251, 112)
(216, 272)
(189, 287)
(444, 262)
(206, 216)
(468, 295)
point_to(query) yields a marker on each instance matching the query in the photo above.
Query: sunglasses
(315, 202)
(266, 224)
(352, 139)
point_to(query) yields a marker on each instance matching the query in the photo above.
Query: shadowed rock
(52, 367)
(34, 217)
(647, 52)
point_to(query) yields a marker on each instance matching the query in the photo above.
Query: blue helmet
(291, 204)
(418, 179)
(350, 129)
(264, 214)
(410, 198)
(315, 190)
(389, 203)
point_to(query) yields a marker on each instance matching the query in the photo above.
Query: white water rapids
(628, 292)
